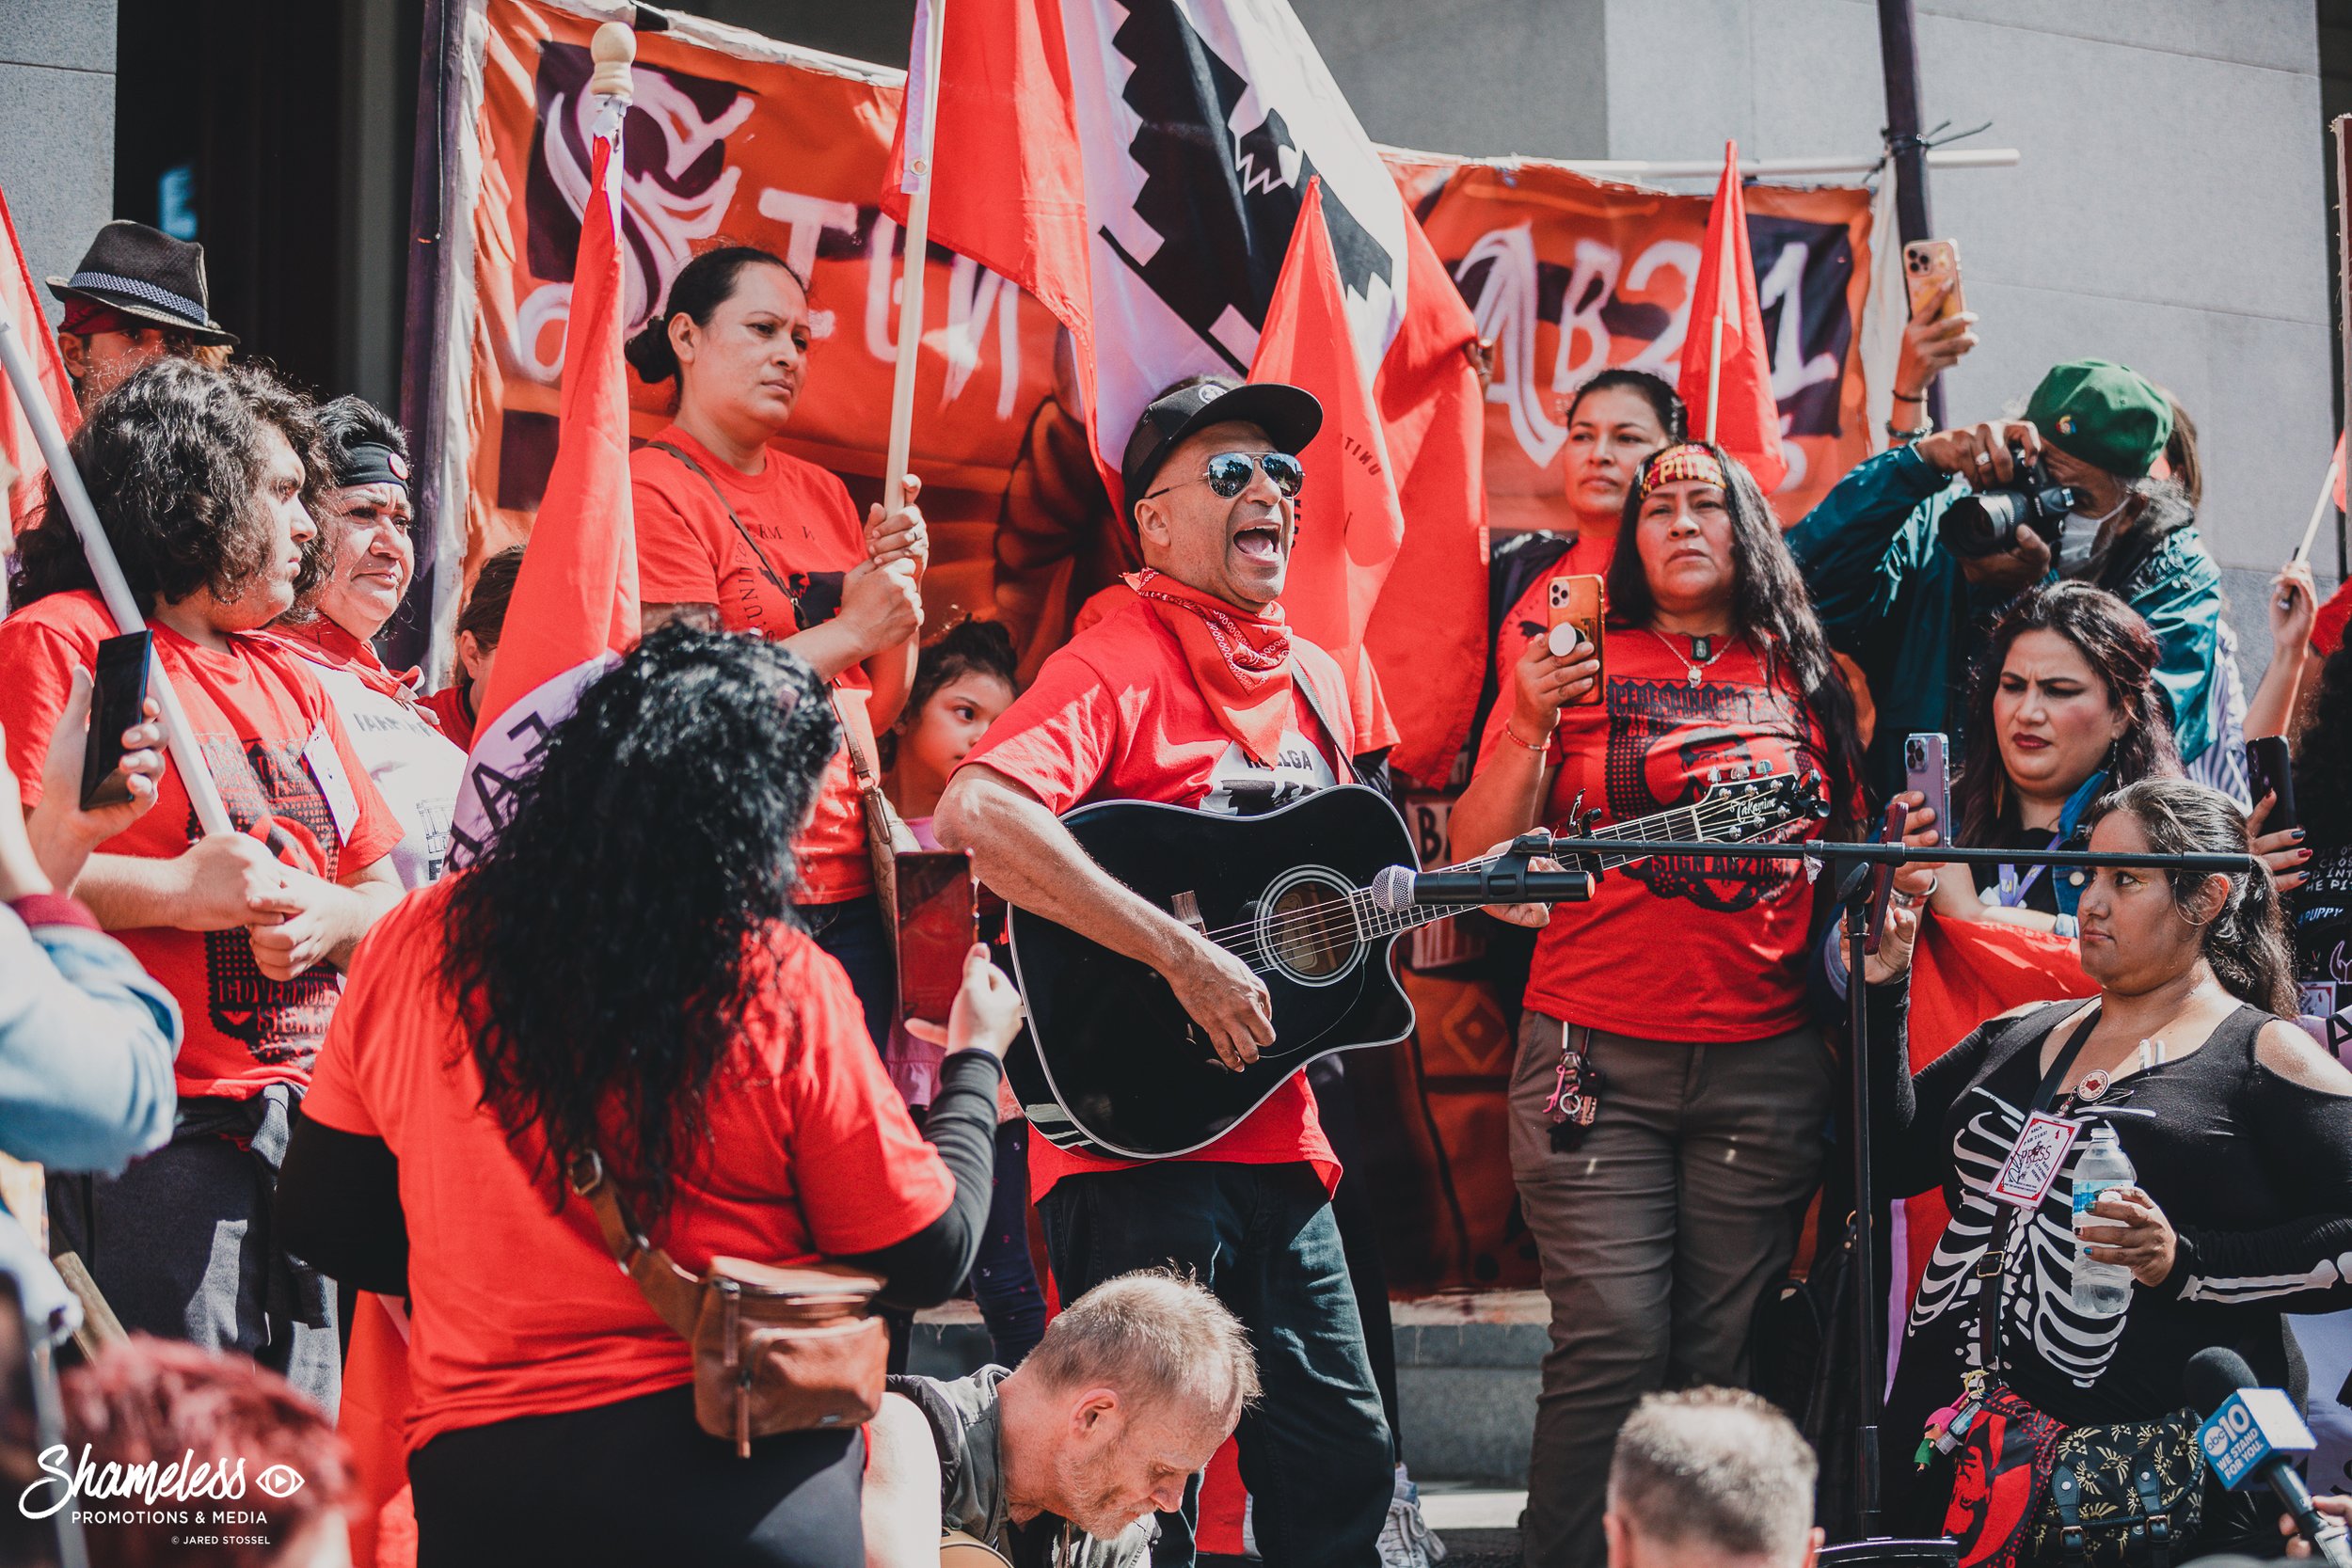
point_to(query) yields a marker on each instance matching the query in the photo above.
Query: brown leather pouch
(776, 1349)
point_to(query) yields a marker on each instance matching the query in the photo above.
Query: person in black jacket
(2239, 1126)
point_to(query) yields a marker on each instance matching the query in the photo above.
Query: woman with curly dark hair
(1681, 984)
(203, 482)
(656, 1002)
(735, 532)
(2064, 709)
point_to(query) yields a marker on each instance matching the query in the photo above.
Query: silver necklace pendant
(1697, 675)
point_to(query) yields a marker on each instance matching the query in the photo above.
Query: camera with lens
(1986, 522)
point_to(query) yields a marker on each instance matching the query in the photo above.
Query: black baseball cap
(1290, 416)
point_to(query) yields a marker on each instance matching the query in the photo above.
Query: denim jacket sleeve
(1867, 541)
(86, 1041)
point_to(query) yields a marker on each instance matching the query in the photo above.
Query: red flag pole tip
(614, 50)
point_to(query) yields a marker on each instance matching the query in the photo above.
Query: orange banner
(1571, 276)
(733, 140)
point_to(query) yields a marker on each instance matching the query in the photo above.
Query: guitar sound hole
(1311, 931)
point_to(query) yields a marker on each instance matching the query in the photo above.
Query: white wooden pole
(918, 234)
(2320, 509)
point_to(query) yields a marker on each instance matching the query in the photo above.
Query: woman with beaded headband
(1676, 995)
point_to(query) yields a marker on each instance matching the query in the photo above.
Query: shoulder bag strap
(1342, 746)
(675, 1295)
(1992, 1269)
(767, 567)
(869, 784)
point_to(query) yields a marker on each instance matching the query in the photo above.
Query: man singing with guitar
(1194, 694)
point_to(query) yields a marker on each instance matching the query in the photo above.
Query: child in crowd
(963, 680)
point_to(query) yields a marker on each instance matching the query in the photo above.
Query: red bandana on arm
(1241, 662)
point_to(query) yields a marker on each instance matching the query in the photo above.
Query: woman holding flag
(734, 532)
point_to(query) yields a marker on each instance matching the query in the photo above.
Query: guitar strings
(1346, 917)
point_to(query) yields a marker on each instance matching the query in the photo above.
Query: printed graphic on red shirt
(1724, 937)
(254, 709)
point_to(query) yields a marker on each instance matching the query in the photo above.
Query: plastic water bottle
(2100, 1290)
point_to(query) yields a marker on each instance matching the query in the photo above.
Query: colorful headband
(1689, 461)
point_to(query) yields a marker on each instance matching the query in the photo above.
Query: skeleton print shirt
(2253, 1170)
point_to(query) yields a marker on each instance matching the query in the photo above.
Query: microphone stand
(1850, 866)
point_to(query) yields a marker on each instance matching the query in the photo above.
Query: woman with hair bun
(734, 532)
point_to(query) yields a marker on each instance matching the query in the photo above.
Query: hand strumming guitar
(1230, 1004)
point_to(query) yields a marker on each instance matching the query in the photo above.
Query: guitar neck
(1691, 822)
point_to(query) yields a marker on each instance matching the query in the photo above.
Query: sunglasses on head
(1228, 473)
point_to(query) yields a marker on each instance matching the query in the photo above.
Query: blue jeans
(1316, 1452)
(1004, 1277)
(852, 931)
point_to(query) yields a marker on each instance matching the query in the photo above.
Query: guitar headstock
(1748, 800)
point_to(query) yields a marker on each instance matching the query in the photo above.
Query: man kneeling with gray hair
(1714, 1476)
(1062, 1462)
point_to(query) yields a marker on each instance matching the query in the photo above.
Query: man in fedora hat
(137, 295)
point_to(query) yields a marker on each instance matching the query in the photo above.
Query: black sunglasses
(1228, 473)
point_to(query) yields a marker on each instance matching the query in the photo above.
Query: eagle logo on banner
(1200, 125)
(1218, 262)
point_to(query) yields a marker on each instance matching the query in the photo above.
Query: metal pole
(2341, 129)
(1899, 60)
(423, 398)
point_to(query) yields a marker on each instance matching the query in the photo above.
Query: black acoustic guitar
(1111, 1064)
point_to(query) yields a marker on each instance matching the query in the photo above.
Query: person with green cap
(1912, 615)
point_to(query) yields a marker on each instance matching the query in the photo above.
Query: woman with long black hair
(623, 974)
(2238, 1127)
(733, 532)
(2064, 709)
(1678, 991)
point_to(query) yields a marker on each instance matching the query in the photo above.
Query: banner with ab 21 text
(1571, 276)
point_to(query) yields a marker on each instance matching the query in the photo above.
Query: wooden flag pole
(1727, 298)
(2319, 511)
(203, 794)
(923, 101)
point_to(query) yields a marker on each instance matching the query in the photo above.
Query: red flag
(575, 603)
(1101, 156)
(23, 469)
(1729, 388)
(1344, 554)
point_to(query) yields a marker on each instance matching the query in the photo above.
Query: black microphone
(1497, 881)
(2252, 1434)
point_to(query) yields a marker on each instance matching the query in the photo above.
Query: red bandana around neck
(353, 654)
(1241, 662)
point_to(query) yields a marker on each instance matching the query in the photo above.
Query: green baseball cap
(2109, 415)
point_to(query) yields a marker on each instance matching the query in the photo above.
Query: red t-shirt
(688, 552)
(448, 708)
(519, 1311)
(253, 709)
(1114, 715)
(1675, 950)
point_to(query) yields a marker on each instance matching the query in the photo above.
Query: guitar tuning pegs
(1585, 821)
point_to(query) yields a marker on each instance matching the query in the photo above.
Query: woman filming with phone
(1655, 1241)
(733, 532)
(652, 1022)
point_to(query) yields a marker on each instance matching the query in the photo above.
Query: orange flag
(22, 468)
(575, 605)
(1726, 375)
(1350, 524)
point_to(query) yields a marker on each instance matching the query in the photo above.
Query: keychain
(1575, 1094)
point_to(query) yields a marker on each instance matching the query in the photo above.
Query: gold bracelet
(1539, 747)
